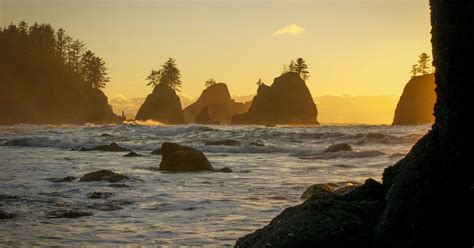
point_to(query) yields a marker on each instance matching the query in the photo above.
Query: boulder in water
(100, 195)
(132, 154)
(226, 142)
(339, 148)
(5, 215)
(176, 157)
(63, 180)
(103, 175)
(113, 147)
(68, 213)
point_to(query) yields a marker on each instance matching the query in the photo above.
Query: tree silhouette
(210, 82)
(93, 70)
(424, 63)
(169, 75)
(423, 66)
(299, 67)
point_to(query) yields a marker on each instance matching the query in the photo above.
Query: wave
(343, 154)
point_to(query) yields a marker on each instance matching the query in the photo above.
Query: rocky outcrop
(162, 105)
(287, 101)
(427, 196)
(176, 157)
(226, 142)
(339, 188)
(220, 105)
(103, 175)
(204, 118)
(338, 148)
(416, 105)
(132, 154)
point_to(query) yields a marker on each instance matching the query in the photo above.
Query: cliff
(204, 118)
(416, 104)
(220, 105)
(287, 102)
(162, 105)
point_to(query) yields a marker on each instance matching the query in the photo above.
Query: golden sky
(355, 47)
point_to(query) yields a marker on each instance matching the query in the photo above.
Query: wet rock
(256, 144)
(340, 188)
(108, 206)
(63, 180)
(103, 175)
(371, 190)
(105, 135)
(68, 213)
(338, 148)
(224, 169)
(119, 185)
(176, 157)
(100, 195)
(132, 154)
(5, 215)
(113, 147)
(226, 142)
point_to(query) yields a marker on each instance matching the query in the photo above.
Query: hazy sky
(351, 47)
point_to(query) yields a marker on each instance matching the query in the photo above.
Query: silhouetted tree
(169, 75)
(299, 67)
(260, 82)
(93, 70)
(210, 82)
(63, 42)
(424, 64)
(74, 53)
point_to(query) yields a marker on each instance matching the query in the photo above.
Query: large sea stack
(287, 102)
(162, 105)
(416, 105)
(219, 104)
(427, 197)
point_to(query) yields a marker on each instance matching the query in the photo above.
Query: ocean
(160, 208)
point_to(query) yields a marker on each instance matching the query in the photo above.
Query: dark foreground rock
(340, 188)
(226, 142)
(323, 220)
(176, 157)
(113, 147)
(103, 175)
(428, 195)
(5, 215)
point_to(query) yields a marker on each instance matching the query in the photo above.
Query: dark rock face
(428, 194)
(113, 147)
(204, 118)
(340, 188)
(323, 220)
(103, 175)
(416, 105)
(176, 157)
(226, 142)
(287, 102)
(220, 105)
(162, 105)
(339, 148)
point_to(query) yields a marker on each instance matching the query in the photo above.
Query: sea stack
(162, 105)
(417, 102)
(287, 101)
(204, 118)
(220, 106)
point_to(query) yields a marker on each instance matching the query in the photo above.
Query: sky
(352, 47)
